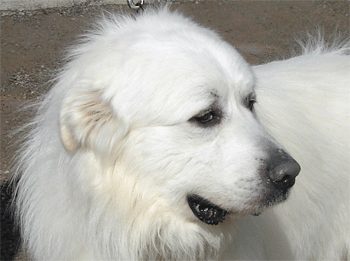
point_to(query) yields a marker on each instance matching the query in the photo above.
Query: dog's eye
(207, 118)
(250, 101)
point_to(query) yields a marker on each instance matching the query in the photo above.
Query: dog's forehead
(154, 71)
(169, 96)
(163, 80)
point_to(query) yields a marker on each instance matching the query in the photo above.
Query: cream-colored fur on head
(149, 146)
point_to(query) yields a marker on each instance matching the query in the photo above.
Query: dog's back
(304, 103)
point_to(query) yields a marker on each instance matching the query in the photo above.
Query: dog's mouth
(206, 211)
(212, 214)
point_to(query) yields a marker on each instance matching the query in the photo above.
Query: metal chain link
(137, 6)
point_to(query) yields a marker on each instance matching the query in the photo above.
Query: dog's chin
(213, 214)
(258, 207)
(268, 200)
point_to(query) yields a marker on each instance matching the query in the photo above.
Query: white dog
(149, 147)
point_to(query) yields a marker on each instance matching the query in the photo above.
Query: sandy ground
(34, 42)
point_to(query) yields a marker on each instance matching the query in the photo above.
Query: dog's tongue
(206, 211)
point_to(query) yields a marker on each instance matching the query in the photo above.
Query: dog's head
(171, 106)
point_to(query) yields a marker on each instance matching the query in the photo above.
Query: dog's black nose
(282, 170)
(283, 175)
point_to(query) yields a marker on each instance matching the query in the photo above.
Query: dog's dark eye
(250, 101)
(207, 118)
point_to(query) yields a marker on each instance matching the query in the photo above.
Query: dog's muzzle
(206, 211)
(278, 174)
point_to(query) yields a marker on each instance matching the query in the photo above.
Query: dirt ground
(34, 42)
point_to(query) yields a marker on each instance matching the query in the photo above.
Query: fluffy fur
(314, 125)
(149, 110)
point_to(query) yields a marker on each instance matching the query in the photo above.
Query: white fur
(112, 155)
(304, 104)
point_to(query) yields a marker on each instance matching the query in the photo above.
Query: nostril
(286, 183)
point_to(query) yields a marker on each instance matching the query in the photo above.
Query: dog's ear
(86, 121)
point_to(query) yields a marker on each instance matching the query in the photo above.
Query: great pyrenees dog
(159, 142)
